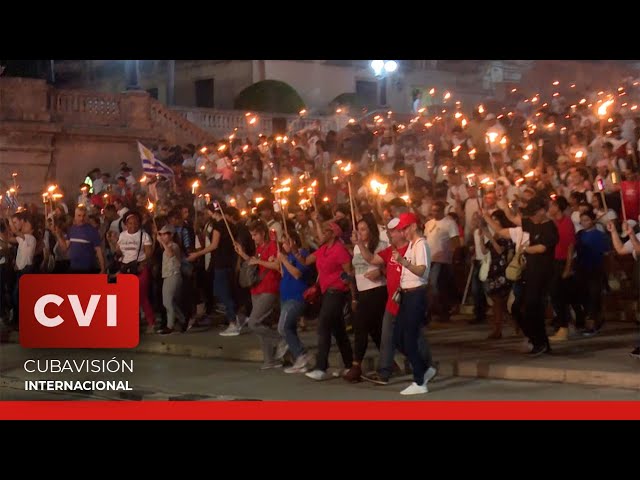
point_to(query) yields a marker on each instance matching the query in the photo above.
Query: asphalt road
(163, 377)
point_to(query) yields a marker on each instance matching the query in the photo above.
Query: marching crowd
(364, 229)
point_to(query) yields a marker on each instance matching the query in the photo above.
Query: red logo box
(79, 311)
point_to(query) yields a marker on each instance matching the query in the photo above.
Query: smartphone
(600, 184)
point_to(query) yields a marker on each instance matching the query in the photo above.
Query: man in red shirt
(393, 271)
(560, 287)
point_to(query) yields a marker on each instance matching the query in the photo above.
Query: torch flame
(602, 109)
(259, 199)
(149, 205)
(447, 96)
(432, 91)
(51, 188)
(530, 174)
(492, 136)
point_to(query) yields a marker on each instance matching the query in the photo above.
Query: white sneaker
(415, 389)
(282, 350)
(318, 375)
(429, 374)
(231, 331)
(301, 365)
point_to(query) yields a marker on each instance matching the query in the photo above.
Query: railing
(221, 123)
(162, 117)
(87, 108)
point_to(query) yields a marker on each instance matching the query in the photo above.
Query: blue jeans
(408, 328)
(290, 312)
(222, 279)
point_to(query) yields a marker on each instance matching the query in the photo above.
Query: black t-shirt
(243, 237)
(225, 255)
(540, 264)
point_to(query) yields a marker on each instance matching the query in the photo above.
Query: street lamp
(382, 68)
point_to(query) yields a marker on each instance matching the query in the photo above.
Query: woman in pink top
(333, 263)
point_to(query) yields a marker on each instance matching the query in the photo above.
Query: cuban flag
(151, 165)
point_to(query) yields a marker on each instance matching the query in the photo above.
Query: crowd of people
(373, 230)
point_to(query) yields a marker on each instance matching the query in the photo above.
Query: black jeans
(368, 319)
(534, 302)
(331, 321)
(408, 328)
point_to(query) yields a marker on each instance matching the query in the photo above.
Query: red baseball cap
(335, 228)
(406, 219)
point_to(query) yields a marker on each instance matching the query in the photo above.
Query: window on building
(204, 93)
(153, 92)
(367, 91)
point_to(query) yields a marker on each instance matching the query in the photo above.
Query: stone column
(137, 109)
(131, 71)
(171, 82)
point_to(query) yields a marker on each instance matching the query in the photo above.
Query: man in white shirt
(442, 236)
(415, 265)
(22, 229)
(457, 190)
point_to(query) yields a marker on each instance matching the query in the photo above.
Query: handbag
(133, 268)
(514, 270)
(249, 275)
(312, 294)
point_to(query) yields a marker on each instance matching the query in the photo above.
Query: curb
(454, 368)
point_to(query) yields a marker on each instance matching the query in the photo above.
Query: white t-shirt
(115, 225)
(575, 218)
(470, 209)
(26, 251)
(417, 253)
(519, 237)
(439, 234)
(628, 246)
(478, 242)
(129, 244)
(460, 190)
(361, 266)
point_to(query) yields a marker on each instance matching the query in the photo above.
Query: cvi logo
(79, 311)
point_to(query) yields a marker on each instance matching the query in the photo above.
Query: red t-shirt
(631, 198)
(329, 263)
(394, 270)
(566, 237)
(271, 281)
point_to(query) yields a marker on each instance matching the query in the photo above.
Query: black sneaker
(635, 353)
(539, 350)
(375, 377)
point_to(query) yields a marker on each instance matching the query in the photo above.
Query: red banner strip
(256, 410)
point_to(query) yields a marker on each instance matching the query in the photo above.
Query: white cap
(393, 223)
